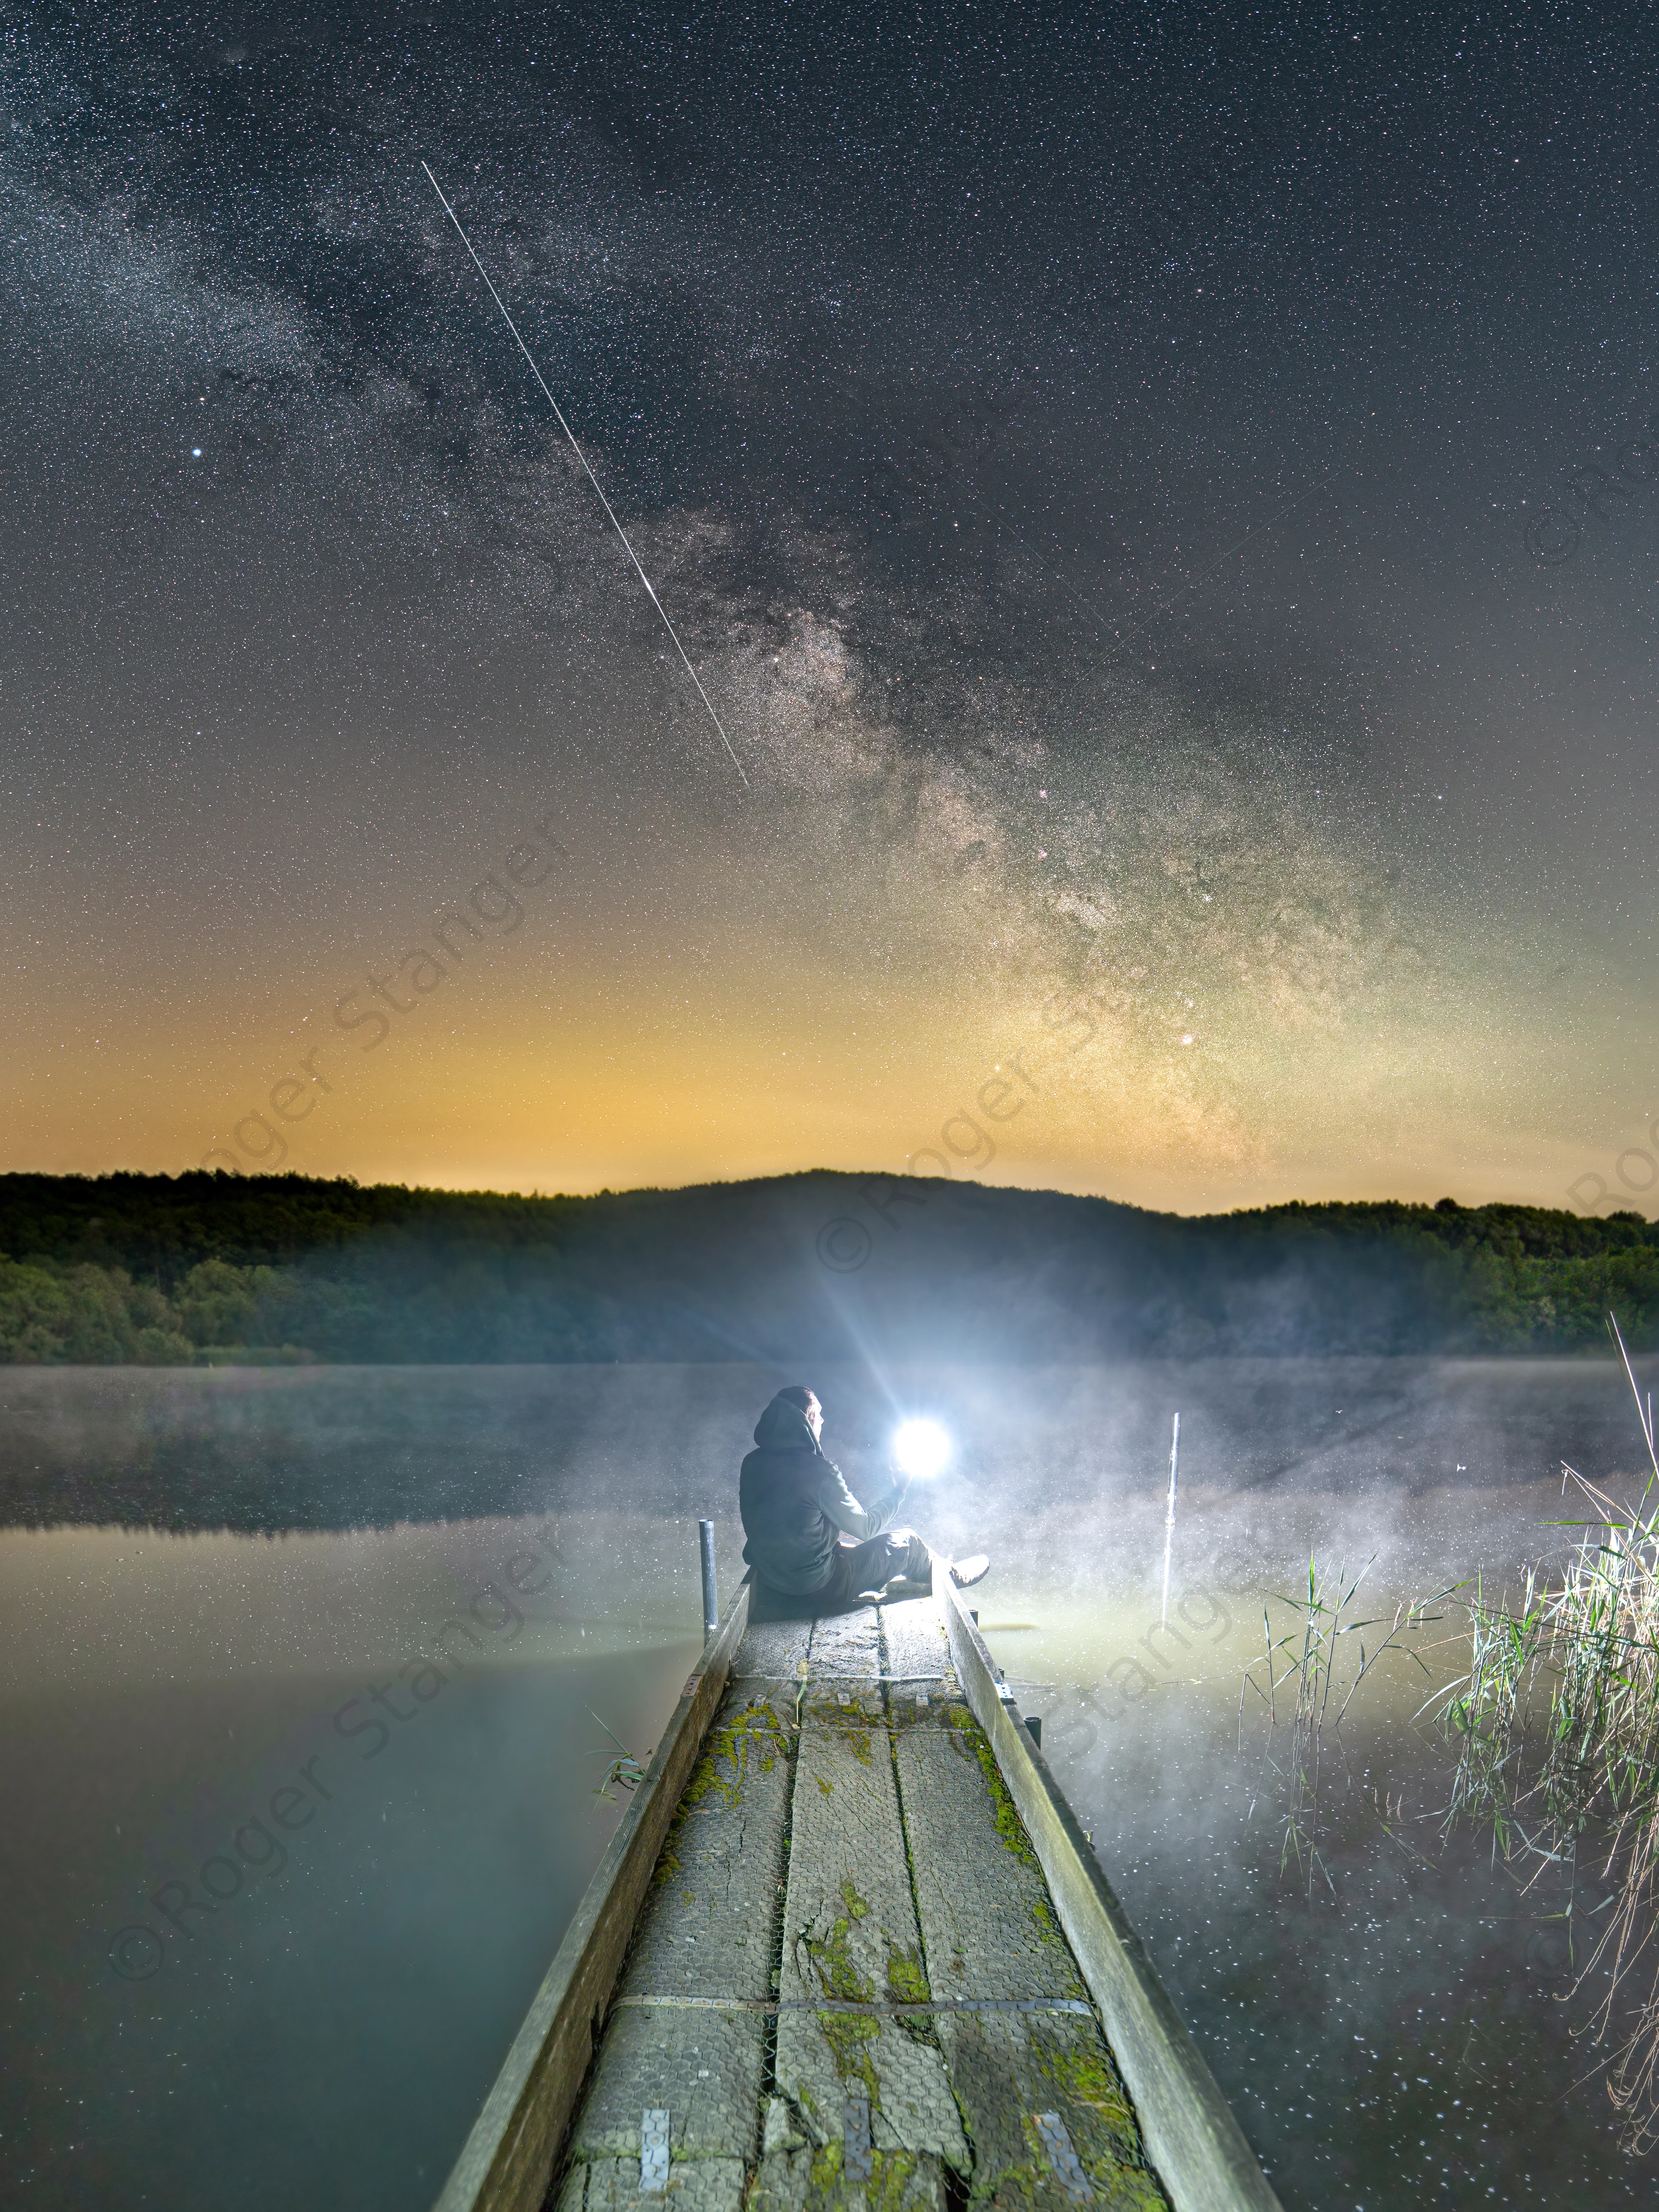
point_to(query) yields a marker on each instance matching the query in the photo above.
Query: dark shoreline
(157, 1271)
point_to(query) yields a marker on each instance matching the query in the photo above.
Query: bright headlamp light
(920, 1450)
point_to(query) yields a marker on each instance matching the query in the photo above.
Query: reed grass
(627, 1771)
(1556, 1724)
(1300, 1669)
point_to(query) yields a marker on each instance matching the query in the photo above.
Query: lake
(299, 1703)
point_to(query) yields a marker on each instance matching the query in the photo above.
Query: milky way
(1164, 529)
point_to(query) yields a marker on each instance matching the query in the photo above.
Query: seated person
(809, 1537)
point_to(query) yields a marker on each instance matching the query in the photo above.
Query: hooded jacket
(794, 1501)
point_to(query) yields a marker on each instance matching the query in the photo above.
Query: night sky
(1159, 500)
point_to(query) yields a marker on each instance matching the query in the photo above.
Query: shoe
(965, 1573)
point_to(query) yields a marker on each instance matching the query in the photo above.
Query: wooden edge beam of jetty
(1193, 2141)
(1193, 2138)
(507, 2160)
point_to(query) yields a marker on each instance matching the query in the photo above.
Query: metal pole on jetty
(711, 1603)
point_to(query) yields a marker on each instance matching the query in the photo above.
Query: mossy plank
(707, 1931)
(907, 1876)
(811, 2181)
(1007, 2067)
(989, 1929)
(850, 1933)
(988, 1923)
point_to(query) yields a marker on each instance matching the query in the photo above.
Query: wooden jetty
(848, 1946)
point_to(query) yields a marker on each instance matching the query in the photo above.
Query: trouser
(873, 1564)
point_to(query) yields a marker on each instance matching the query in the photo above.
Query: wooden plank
(506, 2162)
(705, 1933)
(773, 1652)
(863, 2109)
(1192, 2136)
(989, 1929)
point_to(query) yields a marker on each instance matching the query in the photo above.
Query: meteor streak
(592, 478)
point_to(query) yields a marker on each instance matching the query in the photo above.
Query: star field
(1162, 508)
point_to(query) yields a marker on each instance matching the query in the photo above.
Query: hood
(783, 1427)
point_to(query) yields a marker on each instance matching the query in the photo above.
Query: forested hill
(162, 1270)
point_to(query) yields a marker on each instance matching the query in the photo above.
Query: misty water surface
(328, 2033)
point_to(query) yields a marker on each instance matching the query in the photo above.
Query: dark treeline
(161, 1270)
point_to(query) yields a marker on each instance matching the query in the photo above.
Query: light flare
(920, 1450)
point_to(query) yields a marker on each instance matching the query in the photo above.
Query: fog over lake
(354, 1916)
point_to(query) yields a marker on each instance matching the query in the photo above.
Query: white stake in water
(1169, 1518)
